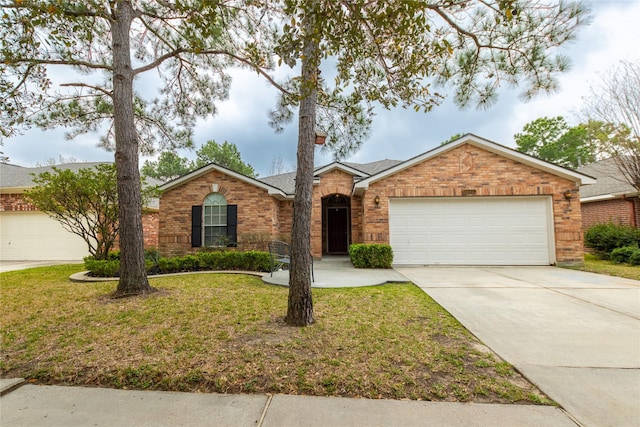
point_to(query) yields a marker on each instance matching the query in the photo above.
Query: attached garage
(35, 236)
(472, 230)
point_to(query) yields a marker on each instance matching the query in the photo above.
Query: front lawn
(224, 333)
(596, 265)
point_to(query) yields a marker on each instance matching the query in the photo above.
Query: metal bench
(281, 256)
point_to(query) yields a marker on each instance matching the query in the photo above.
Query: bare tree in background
(616, 100)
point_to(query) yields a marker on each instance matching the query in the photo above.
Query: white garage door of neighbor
(471, 231)
(33, 236)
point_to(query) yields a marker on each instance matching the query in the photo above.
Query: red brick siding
(617, 211)
(285, 220)
(489, 175)
(15, 203)
(255, 210)
(150, 228)
(332, 182)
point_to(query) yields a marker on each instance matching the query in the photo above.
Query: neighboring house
(27, 234)
(611, 199)
(469, 202)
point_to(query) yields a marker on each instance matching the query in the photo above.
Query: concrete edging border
(84, 277)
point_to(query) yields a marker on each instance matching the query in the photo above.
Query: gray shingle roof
(17, 178)
(286, 181)
(13, 176)
(610, 180)
(374, 167)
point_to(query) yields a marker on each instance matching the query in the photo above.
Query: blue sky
(398, 134)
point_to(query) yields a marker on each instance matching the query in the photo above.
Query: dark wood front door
(338, 230)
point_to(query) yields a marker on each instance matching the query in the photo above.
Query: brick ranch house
(469, 202)
(611, 199)
(27, 234)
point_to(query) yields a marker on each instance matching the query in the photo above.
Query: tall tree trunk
(133, 275)
(300, 304)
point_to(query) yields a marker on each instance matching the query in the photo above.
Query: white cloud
(399, 134)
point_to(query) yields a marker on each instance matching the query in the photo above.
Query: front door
(337, 230)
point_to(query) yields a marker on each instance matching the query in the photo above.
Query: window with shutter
(215, 220)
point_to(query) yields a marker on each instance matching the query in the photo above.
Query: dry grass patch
(224, 333)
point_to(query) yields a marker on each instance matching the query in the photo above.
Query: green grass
(596, 265)
(224, 333)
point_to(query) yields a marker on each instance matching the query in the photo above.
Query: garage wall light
(568, 194)
(376, 200)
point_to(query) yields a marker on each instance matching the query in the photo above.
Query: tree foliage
(616, 100)
(226, 155)
(84, 202)
(553, 140)
(168, 166)
(73, 64)
(356, 54)
(452, 138)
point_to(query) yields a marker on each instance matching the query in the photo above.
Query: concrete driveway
(22, 265)
(574, 334)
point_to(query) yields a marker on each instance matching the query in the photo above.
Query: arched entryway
(336, 224)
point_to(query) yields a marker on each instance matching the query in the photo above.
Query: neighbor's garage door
(471, 231)
(34, 236)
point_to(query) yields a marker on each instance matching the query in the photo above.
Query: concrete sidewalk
(32, 405)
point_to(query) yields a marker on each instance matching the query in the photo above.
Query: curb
(10, 384)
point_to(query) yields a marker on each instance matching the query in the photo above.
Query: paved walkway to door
(574, 334)
(338, 272)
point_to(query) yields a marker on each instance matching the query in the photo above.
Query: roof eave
(13, 190)
(340, 166)
(578, 178)
(609, 196)
(271, 190)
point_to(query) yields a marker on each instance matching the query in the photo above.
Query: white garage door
(33, 236)
(471, 231)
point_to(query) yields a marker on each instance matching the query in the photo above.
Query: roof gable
(484, 144)
(271, 190)
(342, 167)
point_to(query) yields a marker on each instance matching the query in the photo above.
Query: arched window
(215, 220)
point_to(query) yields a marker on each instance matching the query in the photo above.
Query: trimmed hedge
(371, 255)
(201, 261)
(604, 238)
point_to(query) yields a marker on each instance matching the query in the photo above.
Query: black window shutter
(232, 224)
(196, 226)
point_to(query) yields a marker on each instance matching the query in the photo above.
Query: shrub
(169, 265)
(257, 261)
(151, 254)
(218, 260)
(634, 259)
(604, 238)
(621, 255)
(188, 263)
(371, 255)
(102, 268)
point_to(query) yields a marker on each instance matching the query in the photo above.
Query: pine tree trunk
(300, 304)
(133, 275)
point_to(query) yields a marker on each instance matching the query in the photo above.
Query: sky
(399, 134)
